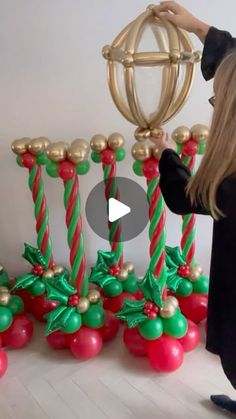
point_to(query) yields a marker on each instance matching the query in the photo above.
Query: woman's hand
(163, 142)
(181, 17)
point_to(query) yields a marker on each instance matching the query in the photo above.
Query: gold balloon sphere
(57, 151)
(200, 133)
(181, 135)
(168, 310)
(83, 305)
(98, 143)
(94, 296)
(142, 134)
(198, 268)
(77, 153)
(38, 145)
(82, 143)
(116, 141)
(157, 133)
(128, 266)
(141, 151)
(5, 296)
(4, 290)
(57, 269)
(48, 274)
(172, 300)
(194, 274)
(19, 147)
(123, 274)
(1, 269)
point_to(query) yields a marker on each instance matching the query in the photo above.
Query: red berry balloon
(165, 354)
(134, 342)
(19, 333)
(110, 328)
(139, 295)
(190, 148)
(192, 338)
(194, 307)
(28, 160)
(107, 156)
(42, 306)
(58, 340)
(3, 362)
(86, 343)
(150, 168)
(115, 304)
(66, 170)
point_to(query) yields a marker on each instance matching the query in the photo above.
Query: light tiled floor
(45, 384)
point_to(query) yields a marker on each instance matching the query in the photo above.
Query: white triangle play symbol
(117, 210)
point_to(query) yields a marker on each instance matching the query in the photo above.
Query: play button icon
(121, 204)
(117, 210)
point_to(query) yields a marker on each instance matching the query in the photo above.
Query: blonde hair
(219, 160)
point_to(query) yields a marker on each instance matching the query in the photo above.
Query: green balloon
(202, 148)
(179, 148)
(4, 279)
(202, 285)
(73, 323)
(52, 168)
(19, 161)
(6, 318)
(138, 168)
(83, 167)
(120, 154)
(38, 288)
(16, 305)
(113, 289)
(42, 159)
(96, 158)
(130, 284)
(151, 329)
(94, 317)
(185, 288)
(176, 326)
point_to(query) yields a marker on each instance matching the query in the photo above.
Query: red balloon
(192, 338)
(1, 341)
(134, 342)
(58, 340)
(27, 298)
(108, 156)
(194, 307)
(66, 170)
(110, 328)
(150, 168)
(165, 354)
(3, 362)
(42, 306)
(28, 160)
(115, 304)
(139, 295)
(19, 333)
(190, 148)
(86, 343)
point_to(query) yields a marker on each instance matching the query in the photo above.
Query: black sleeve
(174, 176)
(217, 45)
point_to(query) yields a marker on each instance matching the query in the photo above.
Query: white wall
(53, 83)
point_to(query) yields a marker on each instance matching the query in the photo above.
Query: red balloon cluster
(115, 304)
(165, 354)
(107, 156)
(192, 338)
(3, 362)
(66, 170)
(19, 333)
(42, 306)
(194, 307)
(28, 160)
(150, 168)
(190, 148)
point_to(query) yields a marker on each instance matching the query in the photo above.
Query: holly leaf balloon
(173, 280)
(151, 288)
(107, 259)
(132, 312)
(25, 281)
(34, 256)
(58, 318)
(58, 289)
(4, 279)
(174, 258)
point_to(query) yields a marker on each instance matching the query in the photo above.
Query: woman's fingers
(170, 6)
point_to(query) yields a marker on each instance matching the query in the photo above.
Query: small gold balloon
(168, 310)
(194, 274)
(57, 151)
(157, 133)
(20, 146)
(128, 266)
(200, 133)
(172, 300)
(1, 269)
(48, 274)
(38, 145)
(4, 296)
(142, 134)
(94, 296)
(141, 151)
(98, 143)
(4, 290)
(181, 134)
(82, 143)
(116, 141)
(198, 268)
(57, 269)
(106, 52)
(83, 305)
(123, 274)
(77, 153)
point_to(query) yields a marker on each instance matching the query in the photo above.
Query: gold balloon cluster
(199, 133)
(84, 302)
(169, 308)
(34, 146)
(144, 150)
(50, 273)
(77, 152)
(100, 143)
(195, 272)
(5, 296)
(127, 268)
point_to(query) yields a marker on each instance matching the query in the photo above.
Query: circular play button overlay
(125, 210)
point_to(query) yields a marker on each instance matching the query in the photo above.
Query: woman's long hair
(219, 160)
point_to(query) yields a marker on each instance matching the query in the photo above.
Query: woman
(212, 190)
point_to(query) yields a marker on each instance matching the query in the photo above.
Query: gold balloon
(57, 151)
(198, 268)
(123, 274)
(142, 134)
(141, 151)
(157, 133)
(194, 274)
(94, 296)
(57, 269)
(83, 305)
(168, 310)
(181, 134)
(82, 143)
(4, 296)
(156, 152)
(1, 269)
(77, 153)
(172, 300)
(48, 274)
(200, 133)
(38, 145)
(20, 146)
(116, 141)
(98, 143)
(128, 266)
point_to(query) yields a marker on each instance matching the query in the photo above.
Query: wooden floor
(41, 384)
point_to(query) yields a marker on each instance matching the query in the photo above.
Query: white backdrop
(53, 83)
